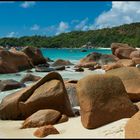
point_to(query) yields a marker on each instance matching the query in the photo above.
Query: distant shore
(80, 48)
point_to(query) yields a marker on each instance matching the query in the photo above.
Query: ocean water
(73, 55)
(70, 54)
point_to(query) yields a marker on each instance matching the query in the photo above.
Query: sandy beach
(71, 129)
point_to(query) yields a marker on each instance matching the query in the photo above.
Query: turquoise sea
(73, 55)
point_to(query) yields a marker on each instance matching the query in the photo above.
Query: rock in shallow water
(35, 55)
(43, 69)
(30, 77)
(10, 84)
(61, 62)
(10, 62)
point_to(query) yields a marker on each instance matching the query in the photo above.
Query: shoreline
(11, 129)
(80, 48)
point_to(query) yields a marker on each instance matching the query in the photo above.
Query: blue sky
(52, 18)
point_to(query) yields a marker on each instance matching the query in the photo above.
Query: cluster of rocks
(103, 98)
(58, 65)
(127, 56)
(122, 55)
(12, 61)
(46, 102)
(96, 94)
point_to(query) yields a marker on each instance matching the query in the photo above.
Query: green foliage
(128, 33)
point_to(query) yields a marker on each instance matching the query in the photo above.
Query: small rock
(10, 84)
(61, 62)
(41, 118)
(30, 77)
(43, 69)
(83, 50)
(59, 68)
(45, 131)
(29, 71)
(79, 69)
(49, 60)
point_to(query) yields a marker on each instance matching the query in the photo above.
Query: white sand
(71, 129)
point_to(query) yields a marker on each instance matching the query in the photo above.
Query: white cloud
(28, 4)
(121, 13)
(35, 27)
(12, 34)
(62, 27)
(82, 25)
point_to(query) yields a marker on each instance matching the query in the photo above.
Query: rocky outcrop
(135, 54)
(126, 62)
(30, 77)
(103, 99)
(122, 51)
(136, 60)
(10, 61)
(130, 77)
(41, 118)
(120, 63)
(97, 58)
(111, 66)
(35, 55)
(61, 62)
(47, 93)
(132, 128)
(10, 84)
(79, 69)
(45, 131)
(86, 65)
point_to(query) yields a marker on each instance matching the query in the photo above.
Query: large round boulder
(61, 62)
(121, 50)
(124, 53)
(130, 77)
(10, 61)
(93, 58)
(35, 55)
(103, 99)
(115, 46)
(47, 93)
(132, 128)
